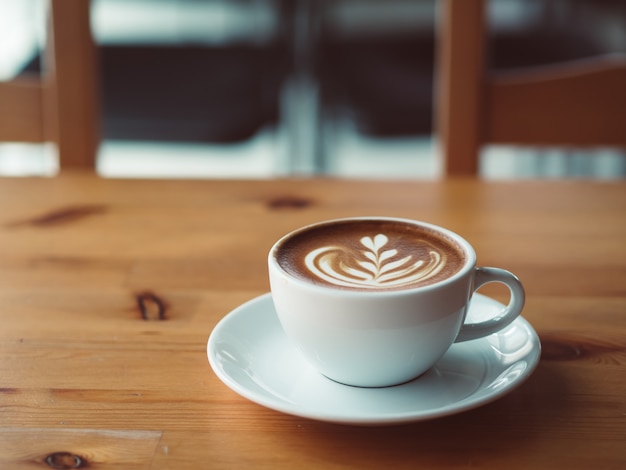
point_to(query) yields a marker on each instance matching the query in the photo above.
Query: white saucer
(250, 353)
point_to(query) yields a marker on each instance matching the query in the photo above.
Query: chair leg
(459, 81)
(71, 92)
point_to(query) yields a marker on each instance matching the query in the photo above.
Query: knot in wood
(151, 306)
(560, 350)
(64, 460)
(289, 202)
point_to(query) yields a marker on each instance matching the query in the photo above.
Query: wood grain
(61, 104)
(109, 290)
(580, 103)
(577, 103)
(83, 448)
(21, 119)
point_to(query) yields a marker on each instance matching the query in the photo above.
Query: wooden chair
(61, 104)
(580, 103)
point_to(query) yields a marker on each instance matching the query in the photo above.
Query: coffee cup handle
(508, 314)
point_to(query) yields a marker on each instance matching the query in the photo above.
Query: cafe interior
(156, 155)
(270, 88)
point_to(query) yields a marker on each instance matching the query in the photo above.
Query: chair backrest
(579, 103)
(61, 104)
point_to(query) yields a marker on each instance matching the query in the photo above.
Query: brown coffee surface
(370, 255)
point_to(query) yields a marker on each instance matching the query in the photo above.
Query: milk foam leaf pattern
(388, 254)
(372, 268)
(354, 272)
(395, 264)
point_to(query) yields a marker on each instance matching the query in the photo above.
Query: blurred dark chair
(385, 81)
(191, 93)
(188, 91)
(575, 103)
(60, 104)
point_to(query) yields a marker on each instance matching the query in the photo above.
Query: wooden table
(109, 290)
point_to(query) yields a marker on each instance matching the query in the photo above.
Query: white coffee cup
(372, 335)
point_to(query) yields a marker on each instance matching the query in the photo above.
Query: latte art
(372, 267)
(369, 255)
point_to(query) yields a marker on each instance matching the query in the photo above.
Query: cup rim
(469, 264)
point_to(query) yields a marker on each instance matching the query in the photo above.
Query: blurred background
(269, 88)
